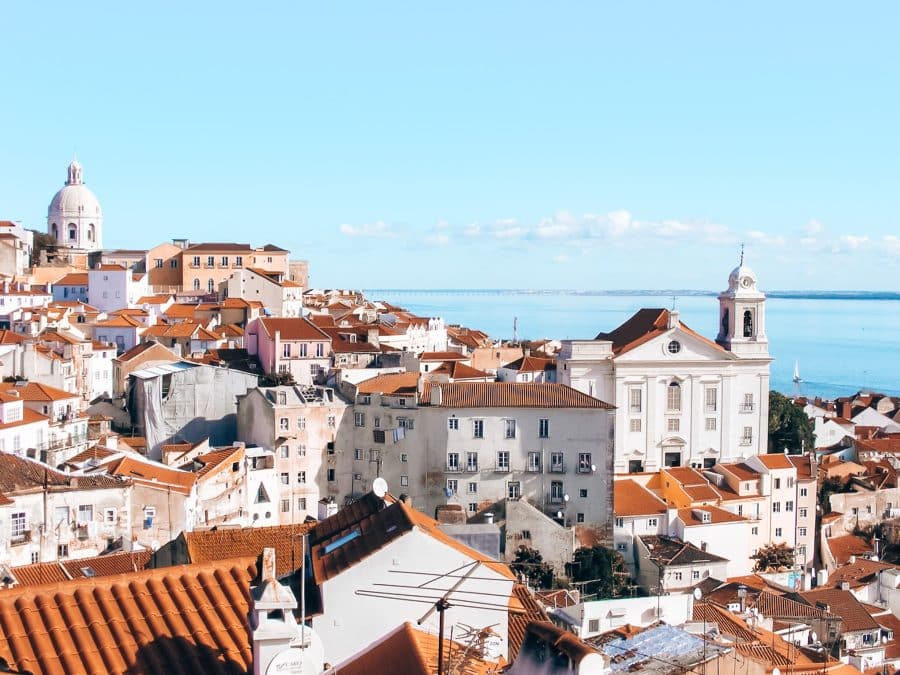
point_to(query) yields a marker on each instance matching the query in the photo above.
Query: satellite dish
(815, 638)
(559, 514)
(593, 468)
(379, 487)
(697, 594)
(566, 498)
(775, 671)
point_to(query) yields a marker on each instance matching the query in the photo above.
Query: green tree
(530, 563)
(601, 570)
(276, 380)
(789, 426)
(42, 241)
(829, 487)
(773, 557)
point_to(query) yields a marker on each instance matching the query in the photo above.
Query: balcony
(502, 468)
(746, 441)
(452, 469)
(533, 468)
(558, 467)
(585, 468)
(555, 499)
(470, 468)
(746, 408)
(20, 538)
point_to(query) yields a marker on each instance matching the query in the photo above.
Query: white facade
(112, 287)
(681, 399)
(74, 218)
(284, 299)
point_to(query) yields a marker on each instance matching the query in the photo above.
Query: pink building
(295, 346)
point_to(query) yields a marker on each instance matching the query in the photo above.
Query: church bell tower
(742, 315)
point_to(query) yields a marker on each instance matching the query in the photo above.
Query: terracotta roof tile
(73, 279)
(390, 383)
(853, 615)
(456, 370)
(294, 329)
(776, 461)
(742, 471)
(171, 620)
(859, 573)
(642, 327)
(28, 417)
(717, 516)
(37, 391)
(96, 566)
(123, 321)
(509, 395)
(531, 364)
(630, 498)
(22, 474)
(842, 548)
(152, 474)
(211, 461)
(518, 621)
(443, 356)
(205, 546)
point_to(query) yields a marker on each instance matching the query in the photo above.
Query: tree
(530, 563)
(773, 557)
(601, 570)
(831, 486)
(789, 426)
(276, 380)
(42, 241)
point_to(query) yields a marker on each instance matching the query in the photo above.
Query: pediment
(692, 347)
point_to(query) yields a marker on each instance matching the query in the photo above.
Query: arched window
(210, 286)
(725, 322)
(196, 284)
(748, 323)
(73, 232)
(673, 397)
(90, 232)
(54, 231)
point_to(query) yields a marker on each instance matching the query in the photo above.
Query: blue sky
(488, 144)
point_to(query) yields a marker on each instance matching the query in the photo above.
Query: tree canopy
(789, 426)
(773, 557)
(530, 563)
(602, 570)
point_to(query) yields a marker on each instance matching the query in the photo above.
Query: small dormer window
(673, 347)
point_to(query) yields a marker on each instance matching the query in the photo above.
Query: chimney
(437, 393)
(851, 560)
(327, 508)
(673, 318)
(489, 518)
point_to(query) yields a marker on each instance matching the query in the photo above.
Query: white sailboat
(797, 377)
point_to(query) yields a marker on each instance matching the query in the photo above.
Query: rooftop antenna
(674, 300)
(742, 253)
(515, 329)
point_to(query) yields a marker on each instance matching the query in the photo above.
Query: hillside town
(210, 465)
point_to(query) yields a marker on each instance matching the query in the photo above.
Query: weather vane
(742, 253)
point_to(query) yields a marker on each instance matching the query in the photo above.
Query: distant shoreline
(790, 295)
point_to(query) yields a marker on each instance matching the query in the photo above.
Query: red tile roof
(28, 417)
(509, 395)
(122, 321)
(390, 383)
(842, 548)
(185, 619)
(776, 461)
(717, 516)
(294, 329)
(96, 566)
(18, 474)
(518, 621)
(204, 546)
(531, 364)
(456, 370)
(443, 356)
(152, 474)
(854, 616)
(73, 279)
(36, 391)
(630, 498)
(642, 327)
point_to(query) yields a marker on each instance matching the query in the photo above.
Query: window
(674, 347)
(286, 350)
(634, 425)
(594, 626)
(224, 261)
(17, 526)
(471, 461)
(776, 483)
(471, 488)
(695, 574)
(801, 531)
(173, 264)
(510, 428)
(478, 428)
(672, 458)
(790, 482)
(803, 492)
(747, 436)
(673, 424)
(503, 460)
(404, 481)
(677, 576)
(301, 451)
(196, 284)
(453, 424)
(710, 423)
(452, 461)
(748, 323)
(452, 486)
(301, 503)
(61, 515)
(534, 462)
(285, 478)
(556, 462)
(406, 423)
(513, 490)
(330, 475)
(301, 422)
(789, 506)
(634, 400)
(331, 421)
(159, 263)
(210, 261)
(801, 513)
(283, 424)
(473, 507)
(673, 397)
(776, 507)
(620, 522)
(262, 497)
(544, 427)
(583, 493)
(579, 517)
(711, 398)
(747, 405)
(556, 492)
(584, 463)
(195, 262)
(282, 398)
(359, 419)
(403, 457)
(777, 531)
(320, 349)
(754, 530)
(238, 261)
(85, 513)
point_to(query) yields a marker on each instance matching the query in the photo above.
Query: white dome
(74, 201)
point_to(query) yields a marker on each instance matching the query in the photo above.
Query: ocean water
(842, 342)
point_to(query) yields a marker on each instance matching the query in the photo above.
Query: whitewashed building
(681, 399)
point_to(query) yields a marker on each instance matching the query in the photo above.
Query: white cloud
(513, 232)
(853, 242)
(472, 230)
(561, 258)
(891, 243)
(437, 239)
(814, 227)
(378, 229)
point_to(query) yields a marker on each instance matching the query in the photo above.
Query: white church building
(681, 399)
(74, 218)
